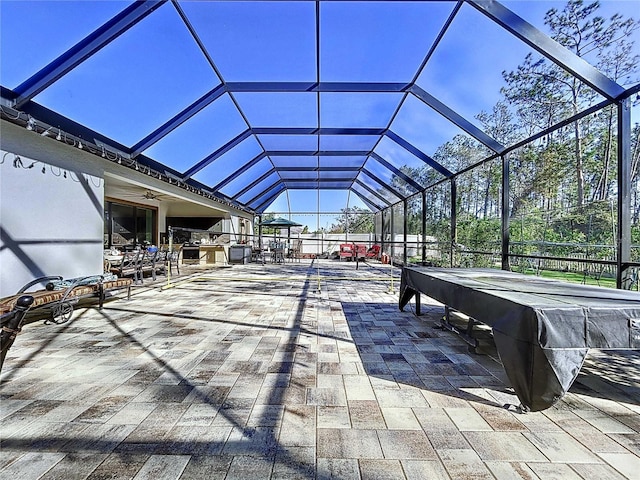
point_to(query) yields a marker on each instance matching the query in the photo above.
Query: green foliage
(635, 240)
(479, 233)
(266, 230)
(353, 220)
(563, 185)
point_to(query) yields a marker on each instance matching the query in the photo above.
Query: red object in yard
(349, 251)
(374, 252)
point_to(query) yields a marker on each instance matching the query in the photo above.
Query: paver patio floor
(303, 370)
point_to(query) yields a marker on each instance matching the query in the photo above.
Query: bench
(59, 296)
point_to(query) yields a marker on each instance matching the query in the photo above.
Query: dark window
(129, 226)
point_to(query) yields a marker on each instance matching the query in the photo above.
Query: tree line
(562, 185)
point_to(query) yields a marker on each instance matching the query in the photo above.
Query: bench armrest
(39, 280)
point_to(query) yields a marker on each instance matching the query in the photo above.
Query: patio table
(542, 328)
(112, 260)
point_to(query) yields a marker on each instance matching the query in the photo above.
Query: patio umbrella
(279, 222)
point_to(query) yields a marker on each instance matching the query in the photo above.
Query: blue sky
(155, 69)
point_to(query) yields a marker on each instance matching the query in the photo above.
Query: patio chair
(129, 266)
(373, 252)
(173, 259)
(148, 263)
(594, 272)
(295, 253)
(160, 262)
(258, 255)
(634, 278)
(277, 255)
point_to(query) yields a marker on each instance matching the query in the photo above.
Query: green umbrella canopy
(279, 222)
(276, 223)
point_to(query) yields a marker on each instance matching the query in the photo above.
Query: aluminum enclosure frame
(378, 192)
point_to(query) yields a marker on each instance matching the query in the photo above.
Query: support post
(623, 240)
(393, 234)
(404, 231)
(505, 214)
(383, 246)
(424, 226)
(454, 221)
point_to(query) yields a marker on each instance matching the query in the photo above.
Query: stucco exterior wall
(52, 223)
(51, 211)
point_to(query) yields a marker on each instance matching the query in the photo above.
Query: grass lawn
(574, 277)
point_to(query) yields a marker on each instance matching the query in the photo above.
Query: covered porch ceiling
(247, 100)
(172, 201)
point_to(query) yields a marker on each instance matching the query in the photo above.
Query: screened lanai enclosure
(451, 133)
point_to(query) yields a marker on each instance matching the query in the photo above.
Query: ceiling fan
(150, 196)
(133, 193)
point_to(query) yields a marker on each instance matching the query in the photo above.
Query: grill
(190, 253)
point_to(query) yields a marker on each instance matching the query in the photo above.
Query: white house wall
(52, 222)
(52, 225)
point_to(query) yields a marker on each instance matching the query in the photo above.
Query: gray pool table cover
(542, 328)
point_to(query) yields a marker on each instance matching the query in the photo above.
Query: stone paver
(338, 468)
(380, 470)
(251, 372)
(402, 444)
(343, 443)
